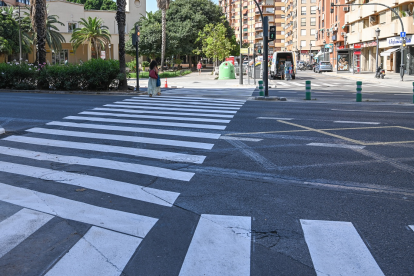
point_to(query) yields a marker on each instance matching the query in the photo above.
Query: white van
(278, 64)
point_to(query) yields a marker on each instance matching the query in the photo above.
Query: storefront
(391, 56)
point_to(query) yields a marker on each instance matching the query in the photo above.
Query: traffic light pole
(402, 29)
(137, 56)
(265, 22)
(241, 43)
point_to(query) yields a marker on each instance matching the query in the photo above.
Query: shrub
(132, 65)
(145, 64)
(95, 74)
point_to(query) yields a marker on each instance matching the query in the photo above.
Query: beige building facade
(362, 21)
(70, 15)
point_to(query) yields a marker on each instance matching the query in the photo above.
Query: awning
(319, 54)
(389, 51)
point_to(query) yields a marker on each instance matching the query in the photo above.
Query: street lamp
(324, 48)
(345, 36)
(310, 52)
(377, 32)
(300, 53)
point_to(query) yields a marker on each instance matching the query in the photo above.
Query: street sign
(403, 34)
(244, 51)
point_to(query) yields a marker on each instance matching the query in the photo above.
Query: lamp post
(109, 45)
(377, 32)
(241, 43)
(345, 36)
(300, 53)
(310, 52)
(324, 48)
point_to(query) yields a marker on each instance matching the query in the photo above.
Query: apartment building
(362, 23)
(300, 27)
(252, 27)
(14, 3)
(331, 33)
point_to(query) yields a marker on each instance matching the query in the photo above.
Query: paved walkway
(393, 78)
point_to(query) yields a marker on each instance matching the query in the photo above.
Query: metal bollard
(359, 91)
(308, 90)
(261, 88)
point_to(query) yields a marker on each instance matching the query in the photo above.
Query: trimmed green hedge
(95, 74)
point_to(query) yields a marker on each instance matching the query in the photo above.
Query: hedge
(95, 74)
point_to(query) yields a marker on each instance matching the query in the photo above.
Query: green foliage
(145, 75)
(95, 74)
(108, 5)
(132, 65)
(9, 30)
(145, 64)
(215, 44)
(93, 32)
(93, 4)
(96, 4)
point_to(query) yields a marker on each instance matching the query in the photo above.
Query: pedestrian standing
(199, 66)
(154, 83)
(66, 61)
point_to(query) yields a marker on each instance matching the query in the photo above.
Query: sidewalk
(390, 78)
(194, 80)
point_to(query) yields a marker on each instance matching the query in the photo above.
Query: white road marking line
(98, 252)
(220, 246)
(336, 146)
(355, 122)
(154, 154)
(337, 249)
(173, 109)
(240, 138)
(99, 163)
(18, 227)
(128, 223)
(282, 83)
(411, 226)
(146, 100)
(114, 187)
(197, 98)
(140, 122)
(158, 105)
(161, 112)
(115, 137)
(274, 118)
(298, 84)
(403, 93)
(372, 111)
(155, 117)
(313, 84)
(138, 129)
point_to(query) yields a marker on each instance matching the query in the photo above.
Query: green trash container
(226, 71)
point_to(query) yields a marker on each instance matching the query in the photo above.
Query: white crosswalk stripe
(146, 100)
(155, 117)
(161, 112)
(220, 246)
(131, 105)
(337, 249)
(99, 252)
(18, 227)
(141, 104)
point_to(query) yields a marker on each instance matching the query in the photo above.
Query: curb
(119, 93)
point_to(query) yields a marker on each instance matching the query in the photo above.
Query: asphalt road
(289, 188)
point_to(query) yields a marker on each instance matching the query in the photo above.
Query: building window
(283, 8)
(303, 21)
(303, 43)
(303, 11)
(353, 28)
(303, 32)
(282, 41)
(313, 31)
(382, 18)
(312, 43)
(71, 27)
(313, 1)
(313, 10)
(59, 57)
(313, 21)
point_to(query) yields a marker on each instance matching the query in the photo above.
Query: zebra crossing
(221, 244)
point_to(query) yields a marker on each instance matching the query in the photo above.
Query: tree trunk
(120, 19)
(164, 38)
(40, 15)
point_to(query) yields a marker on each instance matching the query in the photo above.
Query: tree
(93, 5)
(93, 32)
(150, 36)
(54, 38)
(108, 5)
(120, 19)
(215, 44)
(163, 6)
(38, 16)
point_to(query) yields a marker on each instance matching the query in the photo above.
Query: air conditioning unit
(323, 16)
(335, 29)
(343, 33)
(346, 9)
(373, 19)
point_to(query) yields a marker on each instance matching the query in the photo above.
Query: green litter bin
(226, 71)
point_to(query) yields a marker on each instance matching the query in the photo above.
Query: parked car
(323, 66)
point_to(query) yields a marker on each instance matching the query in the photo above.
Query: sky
(152, 5)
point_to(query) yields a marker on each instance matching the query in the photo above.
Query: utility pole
(241, 43)
(135, 41)
(377, 32)
(254, 64)
(265, 55)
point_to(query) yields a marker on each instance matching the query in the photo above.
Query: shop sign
(343, 62)
(369, 44)
(341, 47)
(304, 52)
(357, 52)
(103, 54)
(330, 45)
(396, 40)
(357, 46)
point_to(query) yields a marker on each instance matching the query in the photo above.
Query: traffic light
(135, 36)
(272, 33)
(259, 50)
(404, 43)
(332, 7)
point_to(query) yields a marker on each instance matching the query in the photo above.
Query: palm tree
(38, 15)
(54, 38)
(120, 19)
(163, 6)
(93, 32)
